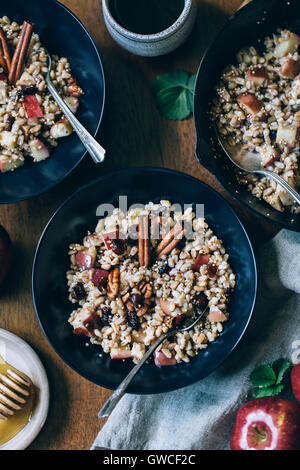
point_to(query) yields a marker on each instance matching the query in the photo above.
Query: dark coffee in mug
(146, 16)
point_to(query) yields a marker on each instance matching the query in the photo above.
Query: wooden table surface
(134, 134)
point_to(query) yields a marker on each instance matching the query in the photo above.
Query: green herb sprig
(174, 93)
(266, 379)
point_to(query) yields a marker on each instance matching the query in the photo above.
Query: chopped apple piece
(290, 68)
(249, 102)
(39, 151)
(257, 75)
(275, 202)
(8, 139)
(86, 258)
(287, 47)
(200, 261)
(93, 240)
(3, 91)
(26, 80)
(61, 128)
(166, 307)
(73, 103)
(32, 107)
(120, 353)
(161, 359)
(287, 135)
(99, 276)
(269, 155)
(9, 163)
(86, 324)
(285, 198)
(216, 316)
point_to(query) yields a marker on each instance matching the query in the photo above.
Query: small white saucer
(21, 356)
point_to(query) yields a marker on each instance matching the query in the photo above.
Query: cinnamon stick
(5, 51)
(144, 242)
(20, 53)
(175, 232)
(2, 60)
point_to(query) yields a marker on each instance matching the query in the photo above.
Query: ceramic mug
(150, 45)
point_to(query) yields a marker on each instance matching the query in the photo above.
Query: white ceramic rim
(27, 435)
(173, 29)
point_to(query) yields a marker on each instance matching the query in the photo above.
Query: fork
(93, 147)
(111, 403)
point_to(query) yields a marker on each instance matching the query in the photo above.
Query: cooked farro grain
(22, 136)
(257, 105)
(148, 299)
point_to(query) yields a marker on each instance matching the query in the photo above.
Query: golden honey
(14, 424)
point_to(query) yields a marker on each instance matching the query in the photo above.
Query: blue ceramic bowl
(72, 221)
(62, 34)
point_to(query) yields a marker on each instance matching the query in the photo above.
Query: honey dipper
(14, 393)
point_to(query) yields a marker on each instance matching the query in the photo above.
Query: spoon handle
(110, 404)
(292, 192)
(93, 147)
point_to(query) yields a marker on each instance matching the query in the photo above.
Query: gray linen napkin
(207, 408)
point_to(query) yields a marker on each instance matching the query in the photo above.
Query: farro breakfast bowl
(248, 60)
(38, 147)
(118, 293)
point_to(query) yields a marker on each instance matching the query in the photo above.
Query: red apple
(295, 379)
(5, 253)
(269, 423)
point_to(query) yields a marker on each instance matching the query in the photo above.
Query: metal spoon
(251, 162)
(109, 405)
(93, 147)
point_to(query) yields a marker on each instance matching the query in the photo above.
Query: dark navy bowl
(62, 34)
(70, 224)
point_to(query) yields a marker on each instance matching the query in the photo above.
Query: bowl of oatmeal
(121, 280)
(248, 90)
(38, 147)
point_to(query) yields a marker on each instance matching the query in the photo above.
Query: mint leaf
(259, 392)
(280, 367)
(263, 376)
(175, 94)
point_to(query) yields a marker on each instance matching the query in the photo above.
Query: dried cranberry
(212, 269)
(118, 246)
(106, 313)
(164, 269)
(29, 89)
(9, 123)
(136, 300)
(78, 292)
(133, 320)
(199, 301)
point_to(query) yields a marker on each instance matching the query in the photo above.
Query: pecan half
(113, 283)
(146, 289)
